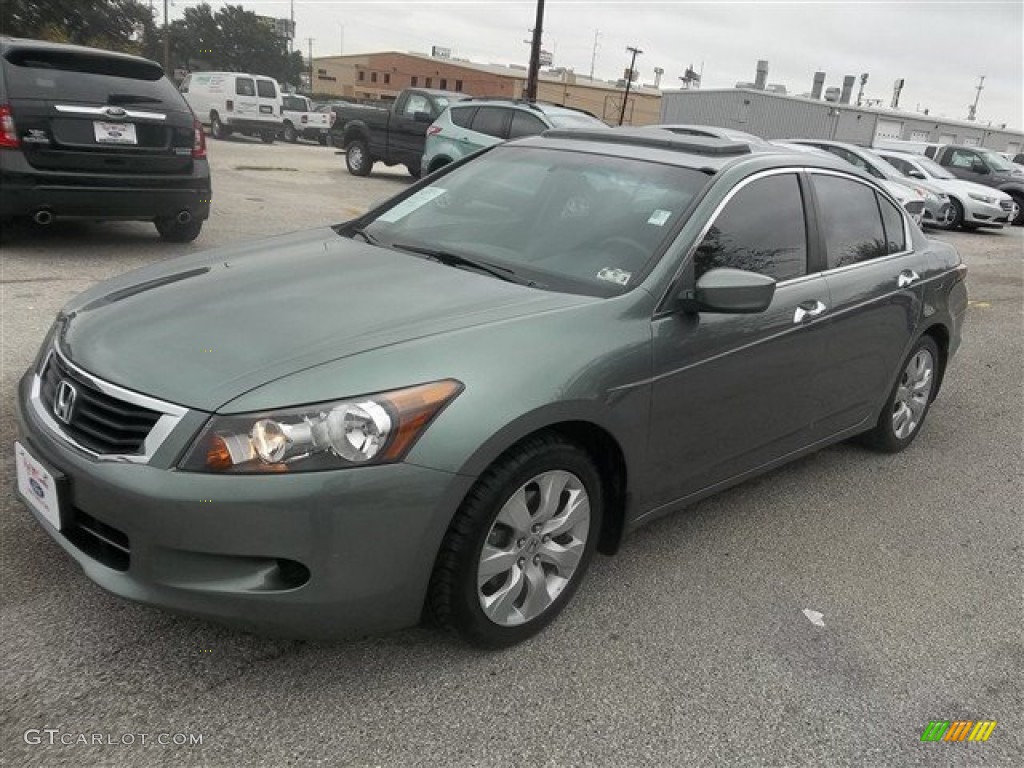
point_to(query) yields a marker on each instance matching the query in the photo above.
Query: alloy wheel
(533, 548)
(913, 393)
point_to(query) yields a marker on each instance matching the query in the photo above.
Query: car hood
(903, 193)
(964, 188)
(202, 330)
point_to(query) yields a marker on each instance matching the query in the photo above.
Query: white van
(235, 102)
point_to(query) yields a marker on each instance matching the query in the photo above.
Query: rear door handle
(907, 277)
(808, 309)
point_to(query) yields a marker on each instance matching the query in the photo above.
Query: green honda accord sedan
(444, 407)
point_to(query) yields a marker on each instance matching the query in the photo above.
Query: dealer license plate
(114, 133)
(37, 486)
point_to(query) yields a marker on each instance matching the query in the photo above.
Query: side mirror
(916, 174)
(422, 117)
(734, 291)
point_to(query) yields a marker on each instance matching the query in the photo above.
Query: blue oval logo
(37, 489)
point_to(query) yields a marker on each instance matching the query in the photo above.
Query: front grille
(100, 541)
(914, 206)
(99, 422)
(1006, 205)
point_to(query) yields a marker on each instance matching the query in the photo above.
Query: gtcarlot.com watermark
(54, 737)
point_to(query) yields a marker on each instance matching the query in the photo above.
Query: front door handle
(907, 277)
(807, 310)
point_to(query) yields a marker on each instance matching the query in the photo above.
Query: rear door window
(524, 124)
(463, 117)
(267, 90)
(492, 121)
(86, 77)
(244, 86)
(850, 219)
(761, 229)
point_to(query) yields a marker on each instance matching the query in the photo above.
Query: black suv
(86, 133)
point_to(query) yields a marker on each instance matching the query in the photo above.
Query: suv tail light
(433, 130)
(8, 134)
(198, 140)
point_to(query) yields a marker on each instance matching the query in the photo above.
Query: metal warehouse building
(776, 116)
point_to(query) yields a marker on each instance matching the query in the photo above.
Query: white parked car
(235, 102)
(974, 205)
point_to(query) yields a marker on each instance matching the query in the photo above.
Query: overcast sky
(938, 48)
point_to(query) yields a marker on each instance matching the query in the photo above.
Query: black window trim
(684, 271)
(908, 240)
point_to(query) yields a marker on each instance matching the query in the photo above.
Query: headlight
(375, 429)
(982, 198)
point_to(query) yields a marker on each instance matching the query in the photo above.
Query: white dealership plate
(37, 486)
(114, 133)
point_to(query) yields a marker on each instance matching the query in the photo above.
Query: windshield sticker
(614, 275)
(410, 204)
(659, 217)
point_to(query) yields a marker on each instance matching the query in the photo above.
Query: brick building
(381, 76)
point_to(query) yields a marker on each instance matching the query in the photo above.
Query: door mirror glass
(734, 291)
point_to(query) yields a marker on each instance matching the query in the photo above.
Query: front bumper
(985, 214)
(25, 190)
(320, 554)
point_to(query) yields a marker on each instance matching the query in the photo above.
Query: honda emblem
(64, 401)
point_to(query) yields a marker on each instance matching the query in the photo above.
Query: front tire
(519, 545)
(954, 217)
(217, 129)
(357, 158)
(1018, 220)
(174, 232)
(908, 403)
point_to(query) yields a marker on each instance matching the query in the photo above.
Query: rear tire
(174, 232)
(357, 158)
(519, 545)
(267, 137)
(907, 406)
(414, 171)
(290, 134)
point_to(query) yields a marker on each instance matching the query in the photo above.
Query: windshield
(566, 220)
(933, 169)
(884, 168)
(996, 161)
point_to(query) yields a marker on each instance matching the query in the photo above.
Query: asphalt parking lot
(689, 648)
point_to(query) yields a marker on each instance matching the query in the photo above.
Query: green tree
(117, 25)
(232, 39)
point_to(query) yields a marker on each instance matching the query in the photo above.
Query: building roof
(503, 70)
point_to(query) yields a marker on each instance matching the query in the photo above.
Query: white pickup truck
(302, 121)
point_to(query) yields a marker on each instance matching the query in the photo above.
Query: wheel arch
(438, 162)
(355, 132)
(939, 333)
(597, 439)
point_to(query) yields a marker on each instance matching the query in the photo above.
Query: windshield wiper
(450, 259)
(365, 235)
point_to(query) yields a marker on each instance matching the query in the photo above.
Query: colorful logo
(958, 730)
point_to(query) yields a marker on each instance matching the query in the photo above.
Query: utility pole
(310, 41)
(972, 110)
(167, 44)
(629, 81)
(860, 93)
(291, 32)
(534, 71)
(593, 55)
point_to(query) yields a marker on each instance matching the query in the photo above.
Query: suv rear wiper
(457, 260)
(128, 98)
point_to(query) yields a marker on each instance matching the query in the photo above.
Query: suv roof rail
(534, 105)
(697, 145)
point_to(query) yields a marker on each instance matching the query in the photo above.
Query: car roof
(709, 155)
(711, 130)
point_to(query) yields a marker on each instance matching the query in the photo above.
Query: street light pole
(310, 41)
(167, 44)
(629, 81)
(534, 71)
